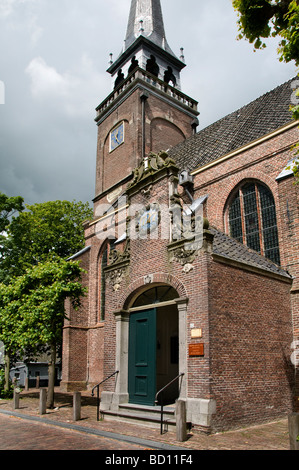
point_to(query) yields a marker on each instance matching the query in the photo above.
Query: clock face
(148, 221)
(116, 137)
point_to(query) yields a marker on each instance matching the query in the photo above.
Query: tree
(49, 230)
(32, 309)
(8, 207)
(7, 319)
(262, 19)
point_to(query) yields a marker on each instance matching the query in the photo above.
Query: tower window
(169, 76)
(119, 79)
(134, 65)
(152, 66)
(252, 220)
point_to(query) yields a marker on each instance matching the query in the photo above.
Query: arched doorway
(153, 359)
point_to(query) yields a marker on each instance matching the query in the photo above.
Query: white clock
(116, 136)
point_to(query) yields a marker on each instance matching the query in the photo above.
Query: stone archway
(175, 306)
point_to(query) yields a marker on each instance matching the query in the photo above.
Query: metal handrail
(158, 393)
(98, 393)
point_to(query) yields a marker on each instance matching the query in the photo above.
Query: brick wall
(250, 339)
(245, 317)
(165, 126)
(263, 162)
(245, 320)
(75, 338)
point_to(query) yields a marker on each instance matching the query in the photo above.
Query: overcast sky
(53, 60)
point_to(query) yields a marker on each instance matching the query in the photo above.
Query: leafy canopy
(261, 19)
(49, 230)
(32, 306)
(8, 207)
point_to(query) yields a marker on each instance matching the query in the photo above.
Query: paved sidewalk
(271, 436)
(30, 433)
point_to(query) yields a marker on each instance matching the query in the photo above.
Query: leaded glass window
(252, 220)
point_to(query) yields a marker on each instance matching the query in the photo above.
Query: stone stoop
(143, 415)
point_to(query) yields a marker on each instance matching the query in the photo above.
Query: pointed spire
(146, 19)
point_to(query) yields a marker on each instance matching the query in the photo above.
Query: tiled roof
(255, 120)
(231, 249)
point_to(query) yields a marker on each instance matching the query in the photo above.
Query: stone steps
(143, 415)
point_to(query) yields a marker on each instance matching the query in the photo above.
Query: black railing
(161, 392)
(98, 392)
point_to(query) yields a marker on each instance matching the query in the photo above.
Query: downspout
(143, 98)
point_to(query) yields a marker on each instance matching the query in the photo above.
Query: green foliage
(296, 171)
(32, 308)
(261, 19)
(8, 206)
(5, 393)
(50, 230)
(35, 276)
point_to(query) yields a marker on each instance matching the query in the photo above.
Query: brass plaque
(196, 349)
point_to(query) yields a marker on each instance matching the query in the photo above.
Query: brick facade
(244, 314)
(231, 322)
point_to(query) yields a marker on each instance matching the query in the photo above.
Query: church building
(191, 258)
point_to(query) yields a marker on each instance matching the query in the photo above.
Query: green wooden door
(142, 357)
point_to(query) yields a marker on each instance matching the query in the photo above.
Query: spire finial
(182, 57)
(141, 28)
(146, 19)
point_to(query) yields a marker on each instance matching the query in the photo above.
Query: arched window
(134, 65)
(119, 79)
(152, 66)
(252, 220)
(169, 76)
(156, 295)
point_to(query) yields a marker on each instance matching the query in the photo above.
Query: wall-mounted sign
(196, 349)
(196, 333)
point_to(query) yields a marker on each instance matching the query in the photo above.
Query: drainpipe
(143, 98)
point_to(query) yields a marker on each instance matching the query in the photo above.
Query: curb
(110, 435)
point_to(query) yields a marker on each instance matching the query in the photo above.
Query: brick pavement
(271, 436)
(38, 436)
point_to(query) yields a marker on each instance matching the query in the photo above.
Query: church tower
(146, 110)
